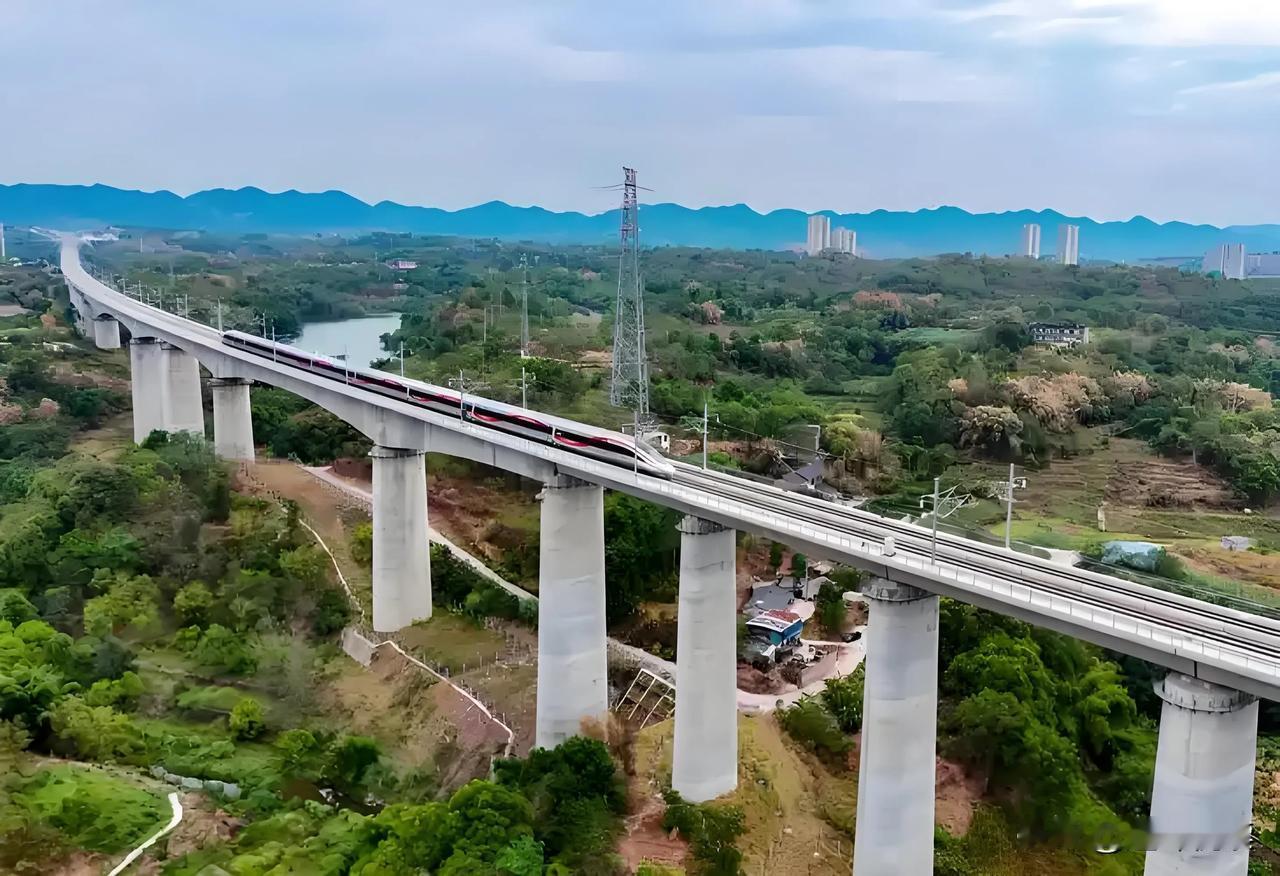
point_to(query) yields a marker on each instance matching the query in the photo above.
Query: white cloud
(1173, 23)
(1263, 82)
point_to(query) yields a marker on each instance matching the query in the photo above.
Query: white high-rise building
(844, 240)
(1068, 244)
(1030, 241)
(819, 234)
(1227, 259)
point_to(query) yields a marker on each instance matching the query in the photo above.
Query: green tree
(192, 603)
(640, 551)
(348, 759)
(221, 648)
(15, 607)
(246, 720)
(125, 600)
(299, 751)
(487, 818)
(524, 857)
(799, 565)
(93, 732)
(775, 554)
(308, 565)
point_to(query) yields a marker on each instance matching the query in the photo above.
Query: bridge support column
(705, 761)
(81, 309)
(894, 831)
(232, 418)
(401, 551)
(1202, 797)
(572, 662)
(149, 383)
(106, 333)
(184, 407)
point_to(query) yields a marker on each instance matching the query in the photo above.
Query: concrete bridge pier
(232, 418)
(401, 551)
(894, 832)
(81, 308)
(149, 383)
(106, 333)
(705, 761)
(184, 407)
(1202, 797)
(572, 662)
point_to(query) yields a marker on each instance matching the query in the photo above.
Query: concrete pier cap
(106, 333)
(1202, 793)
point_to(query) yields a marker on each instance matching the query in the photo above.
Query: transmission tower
(524, 306)
(630, 385)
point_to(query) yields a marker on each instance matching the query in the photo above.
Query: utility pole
(525, 380)
(944, 505)
(704, 434)
(933, 550)
(219, 314)
(1013, 483)
(402, 359)
(629, 386)
(460, 383)
(524, 306)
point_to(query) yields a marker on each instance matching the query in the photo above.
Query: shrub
(799, 565)
(221, 648)
(711, 832)
(362, 545)
(775, 555)
(332, 612)
(843, 698)
(809, 723)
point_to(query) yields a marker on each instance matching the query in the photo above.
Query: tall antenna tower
(630, 385)
(524, 306)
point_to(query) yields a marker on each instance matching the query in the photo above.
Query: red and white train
(602, 444)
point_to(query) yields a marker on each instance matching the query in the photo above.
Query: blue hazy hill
(881, 233)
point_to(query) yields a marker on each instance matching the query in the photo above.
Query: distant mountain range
(881, 234)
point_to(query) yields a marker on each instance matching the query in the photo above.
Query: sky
(1101, 108)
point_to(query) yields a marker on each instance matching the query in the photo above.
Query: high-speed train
(602, 444)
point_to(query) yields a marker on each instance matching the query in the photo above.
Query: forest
(154, 621)
(913, 369)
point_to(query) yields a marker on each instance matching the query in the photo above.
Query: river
(359, 338)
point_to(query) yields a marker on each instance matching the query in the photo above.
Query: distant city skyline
(1163, 108)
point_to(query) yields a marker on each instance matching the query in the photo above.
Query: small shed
(776, 625)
